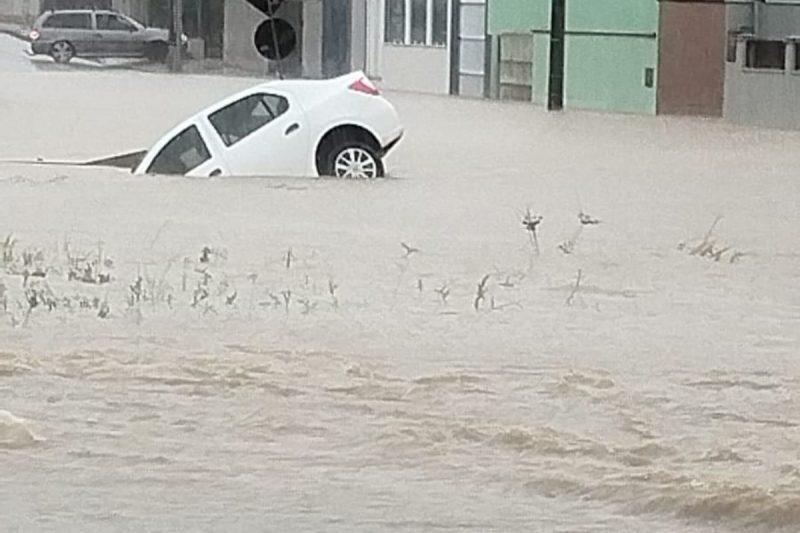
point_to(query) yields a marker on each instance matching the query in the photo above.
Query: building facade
(639, 56)
(582, 54)
(762, 71)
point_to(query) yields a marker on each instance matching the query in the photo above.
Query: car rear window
(185, 152)
(75, 21)
(241, 118)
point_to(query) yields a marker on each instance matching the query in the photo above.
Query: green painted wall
(605, 72)
(612, 15)
(514, 16)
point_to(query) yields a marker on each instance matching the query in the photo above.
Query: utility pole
(278, 58)
(176, 64)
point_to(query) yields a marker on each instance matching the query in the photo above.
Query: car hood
(156, 34)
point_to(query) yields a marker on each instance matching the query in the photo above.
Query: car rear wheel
(353, 160)
(157, 52)
(62, 52)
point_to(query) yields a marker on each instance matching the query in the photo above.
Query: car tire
(352, 159)
(62, 52)
(157, 52)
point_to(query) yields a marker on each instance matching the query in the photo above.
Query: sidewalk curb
(17, 35)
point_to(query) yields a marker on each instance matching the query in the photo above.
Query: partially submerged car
(340, 127)
(90, 33)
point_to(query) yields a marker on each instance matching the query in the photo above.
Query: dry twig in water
(480, 296)
(575, 289)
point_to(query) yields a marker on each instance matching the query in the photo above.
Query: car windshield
(185, 152)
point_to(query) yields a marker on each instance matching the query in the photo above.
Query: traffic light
(275, 38)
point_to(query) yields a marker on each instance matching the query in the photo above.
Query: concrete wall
(692, 39)
(759, 97)
(415, 68)
(19, 11)
(312, 42)
(772, 19)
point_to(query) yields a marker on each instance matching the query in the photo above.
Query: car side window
(243, 117)
(185, 152)
(72, 21)
(110, 22)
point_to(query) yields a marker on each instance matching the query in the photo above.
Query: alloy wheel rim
(355, 163)
(62, 51)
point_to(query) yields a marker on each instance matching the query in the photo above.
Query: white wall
(415, 68)
(312, 43)
(763, 97)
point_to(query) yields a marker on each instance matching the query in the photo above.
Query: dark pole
(176, 65)
(275, 39)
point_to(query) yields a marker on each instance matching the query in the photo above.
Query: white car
(341, 127)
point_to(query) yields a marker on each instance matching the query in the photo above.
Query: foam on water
(15, 432)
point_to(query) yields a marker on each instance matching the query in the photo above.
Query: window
(75, 21)
(395, 21)
(440, 22)
(182, 154)
(109, 22)
(416, 22)
(796, 56)
(419, 21)
(240, 119)
(766, 54)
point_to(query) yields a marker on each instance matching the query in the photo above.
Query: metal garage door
(469, 65)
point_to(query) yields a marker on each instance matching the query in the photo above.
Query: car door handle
(216, 172)
(291, 129)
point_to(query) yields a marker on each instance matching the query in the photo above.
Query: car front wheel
(62, 52)
(353, 160)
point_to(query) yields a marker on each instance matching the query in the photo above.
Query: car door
(75, 27)
(115, 35)
(187, 151)
(263, 134)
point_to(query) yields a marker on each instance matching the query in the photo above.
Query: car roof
(308, 91)
(50, 12)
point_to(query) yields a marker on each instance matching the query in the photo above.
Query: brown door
(691, 58)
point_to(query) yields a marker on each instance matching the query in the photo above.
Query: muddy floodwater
(265, 354)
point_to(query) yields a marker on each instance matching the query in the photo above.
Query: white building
(434, 46)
